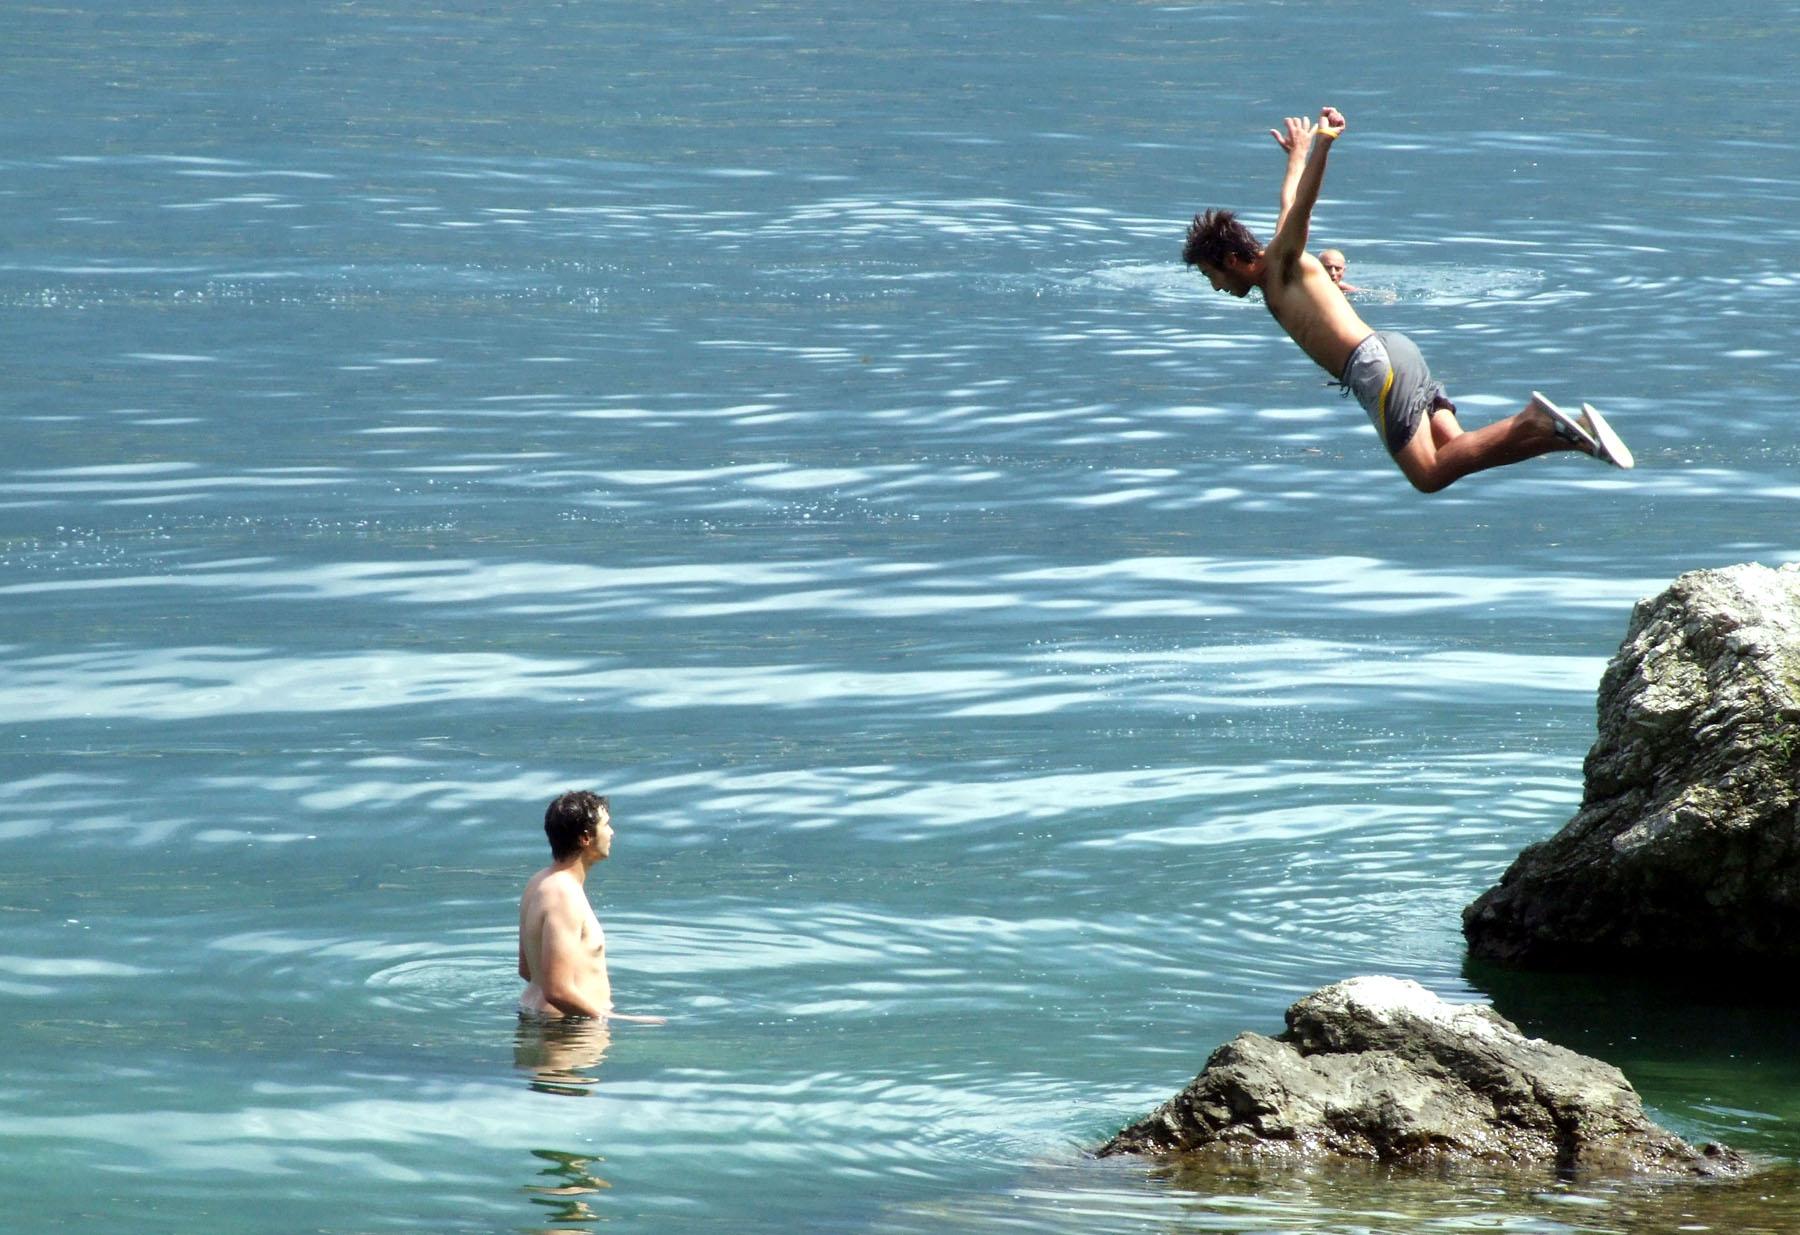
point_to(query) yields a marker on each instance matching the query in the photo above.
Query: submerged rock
(1381, 1069)
(1685, 854)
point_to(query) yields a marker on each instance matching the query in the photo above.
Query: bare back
(1311, 308)
(562, 950)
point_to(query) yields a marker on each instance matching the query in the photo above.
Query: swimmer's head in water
(1334, 264)
(573, 817)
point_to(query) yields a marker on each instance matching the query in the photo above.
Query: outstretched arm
(1307, 145)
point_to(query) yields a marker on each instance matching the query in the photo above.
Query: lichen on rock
(1687, 844)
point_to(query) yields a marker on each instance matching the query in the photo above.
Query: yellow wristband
(1323, 131)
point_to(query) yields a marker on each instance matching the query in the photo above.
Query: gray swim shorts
(1389, 378)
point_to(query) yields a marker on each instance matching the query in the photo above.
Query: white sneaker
(1567, 427)
(1611, 448)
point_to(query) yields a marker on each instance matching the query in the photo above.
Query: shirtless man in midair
(1385, 371)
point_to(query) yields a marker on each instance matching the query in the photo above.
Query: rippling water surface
(1015, 671)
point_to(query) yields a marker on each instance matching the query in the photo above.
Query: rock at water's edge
(1686, 850)
(1379, 1068)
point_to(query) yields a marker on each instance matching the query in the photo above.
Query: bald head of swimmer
(1333, 261)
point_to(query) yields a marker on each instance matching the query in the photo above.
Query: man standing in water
(562, 950)
(1416, 420)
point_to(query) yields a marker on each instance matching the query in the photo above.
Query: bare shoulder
(1303, 264)
(534, 885)
(1287, 276)
(550, 890)
(1291, 289)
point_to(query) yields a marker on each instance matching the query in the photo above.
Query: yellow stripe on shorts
(1386, 386)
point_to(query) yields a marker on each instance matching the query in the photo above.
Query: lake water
(1014, 670)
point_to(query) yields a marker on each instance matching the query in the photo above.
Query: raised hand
(1299, 132)
(1331, 119)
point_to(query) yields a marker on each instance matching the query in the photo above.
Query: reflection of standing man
(1335, 265)
(562, 1054)
(562, 950)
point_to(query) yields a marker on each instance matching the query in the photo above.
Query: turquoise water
(1014, 671)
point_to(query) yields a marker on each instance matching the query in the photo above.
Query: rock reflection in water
(1109, 1197)
(1397, 1201)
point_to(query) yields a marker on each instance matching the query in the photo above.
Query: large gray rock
(1685, 855)
(1380, 1068)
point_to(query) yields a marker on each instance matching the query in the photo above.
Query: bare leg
(1444, 427)
(1445, 454)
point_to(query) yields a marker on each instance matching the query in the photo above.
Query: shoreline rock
(1686, 850)
(1380, 1069)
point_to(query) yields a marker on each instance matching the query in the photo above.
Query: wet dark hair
(1217, 235)
(572, 816)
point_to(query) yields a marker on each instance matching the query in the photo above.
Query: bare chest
(1318, 318)
(592, 936)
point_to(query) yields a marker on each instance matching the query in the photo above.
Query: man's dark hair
(572, 816)
(1215, 236)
